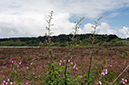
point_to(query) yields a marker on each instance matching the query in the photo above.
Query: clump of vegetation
(62, 40)
(68, 69)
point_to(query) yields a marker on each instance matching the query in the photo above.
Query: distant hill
(63, 39)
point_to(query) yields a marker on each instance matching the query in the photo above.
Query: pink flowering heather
(14, 62)
(71, 63)
(11, 65)
(26, 82)
(83, 79)
(11, 61)
(76, 68)
(4, 81)
(100, 83)
(31, 63)
(110, 65)
(68, 60)
(27, 68)
(33, 73)
(102, 74)
(17, 66)
(60, 61)
(20, 62)
(123, 80)
(75, 64)
(11, 83)
(106, 71)
(8, 79)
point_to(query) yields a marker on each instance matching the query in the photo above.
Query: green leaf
(52, 64)
(68, 79)
(90, 52)
(56, 72)
(49, 56)
(50, 50)
(104, 62)
(70, 49)
(99, 18)
(68, 65)
(67, 72)
(75, 80)
(62, 71)
(66, 56)
(80, 77)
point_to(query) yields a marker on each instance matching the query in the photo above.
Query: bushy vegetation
(62, 40)
(68, 69)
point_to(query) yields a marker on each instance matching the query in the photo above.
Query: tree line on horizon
(62, 40)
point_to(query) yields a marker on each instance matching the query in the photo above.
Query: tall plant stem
(70, 49)
(51, 66)
(69, 53)
(93, 38)
(89, 70)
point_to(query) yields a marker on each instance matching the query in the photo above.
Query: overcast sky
(27, 18)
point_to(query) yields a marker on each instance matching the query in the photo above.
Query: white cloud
(87, 29)
(61, 24)
(28, 17)
(104, 28)
(14, 25)
(124, 32)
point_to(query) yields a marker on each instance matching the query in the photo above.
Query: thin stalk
(93, 42)
(69, 53)
(89, 70)
(49, 44)
(70, 49)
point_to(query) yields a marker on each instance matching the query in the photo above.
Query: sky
(27, 18)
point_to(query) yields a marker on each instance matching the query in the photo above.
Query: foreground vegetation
(14, 63)
(107, 67)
